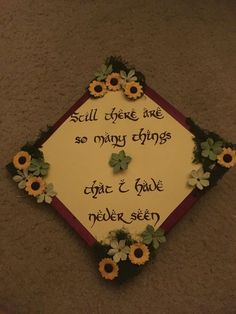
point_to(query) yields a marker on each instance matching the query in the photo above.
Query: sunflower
(139, 253)
(97, 88)
(133, 90)
(108, 268)
(113, 81)
(35, 186)
(22, 160)
(227, 158)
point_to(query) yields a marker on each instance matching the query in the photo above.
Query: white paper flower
(119, 250)
(129, 77)
(199, 179)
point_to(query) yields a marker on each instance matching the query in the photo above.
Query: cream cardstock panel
(76, 166)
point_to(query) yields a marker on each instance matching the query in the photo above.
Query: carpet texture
(49, 51)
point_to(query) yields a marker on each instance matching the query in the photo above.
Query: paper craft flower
(97, 89)
(113, 81)
(133, 90)
(35, 186)
(108, 268)
(22, 160)
(227, 158)
(119, 161)
(119, 250)
(102, 73)
(211, 149)
(150, 236)
(21, 178)
(199, 179)
(47, 194)
(39, 167)
(139, 253)
(129, 77)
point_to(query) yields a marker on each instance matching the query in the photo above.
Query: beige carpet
(49, 51)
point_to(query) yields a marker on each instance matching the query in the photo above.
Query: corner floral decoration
(115, 75)
(214, 154)
(119, 161)
(121, 255)
(29, 171)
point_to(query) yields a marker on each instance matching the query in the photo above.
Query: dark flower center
(98, 88)
(133, 90)
(22, 160)
(35, 186)
(114, 81)
(138, 253)
(227, 158)
(108, 268)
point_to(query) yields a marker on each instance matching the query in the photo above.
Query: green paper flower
(47, 195)
(102, 73)
(154, 237)
(119, 161)
(211, 149)
(118, 250)
(199, 179)
(39, 167)
(128, 77)
(21, 178)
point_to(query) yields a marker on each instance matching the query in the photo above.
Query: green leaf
(44, 172)
(147, 239)
(204, 145)
(48, 199)
(25, 173)
(159, 232)
(123, 165)
(150, 229)
(21, 185)
(115, 156)
(52, 193)
(109, 69)
(116, 168)
(161, 239)
(210, 141)
(212, 156)
(155, 243)
(121, 154)
(112, 162)
(128, 159)
(36, 172)
(122, 74)
(17, 178)
(45, 165)
(205, 153)
(40, 198)
(131, 73)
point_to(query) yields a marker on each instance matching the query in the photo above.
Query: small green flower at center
(119, 161)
